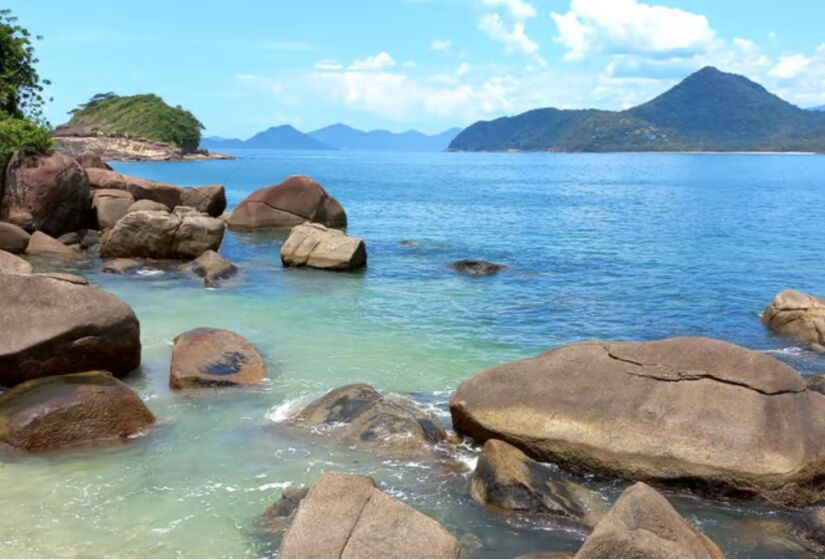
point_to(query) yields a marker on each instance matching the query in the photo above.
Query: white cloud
(790, 66)
(378, 62)
(630, 27)
(514, 38)
(441, 44)
(518, 9)
(328, 64)
(463, 70)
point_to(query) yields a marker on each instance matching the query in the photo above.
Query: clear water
(599, 246)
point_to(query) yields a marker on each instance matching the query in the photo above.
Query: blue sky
(397, 64)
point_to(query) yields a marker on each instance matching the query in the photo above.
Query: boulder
(294, 201)
(140, 189)
(508, 480)
(44, 245)
(150, 205)
(110, 205)
(54, 325)
(70, 410)
(162, 235)
(13, 239)
(642, 524)
(71, 238)
(213, 268)
(89, 160)
(214, 358)
(120, 266)
(477, 268)
(316, 246)
(13, 263)
(278, 515)
(816, 383)
(358, 415)
(90, 239)
(345, 516)
(798, 315)
(684, 409)
(46, 192)
(209, 199)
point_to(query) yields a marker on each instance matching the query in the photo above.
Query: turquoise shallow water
(599, 246)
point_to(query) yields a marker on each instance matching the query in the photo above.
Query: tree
(21, 89)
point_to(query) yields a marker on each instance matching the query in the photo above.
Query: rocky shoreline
(121, 148)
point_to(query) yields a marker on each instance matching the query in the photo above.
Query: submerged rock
(47, 192)
(278, 515)
(162, 235)
(13, 263)
(477, 268)
(316, 246)
(507, 479)
(13, 239)
(358, 415)
(70, 410)
(683, 409)
(213, 268)
(345, 516)
(214, 358)
(51, 325)
(642, 524)
(209, 199)
(140, 189)
(799, 315)
(44, 245)
(294, 201)
(120, 266)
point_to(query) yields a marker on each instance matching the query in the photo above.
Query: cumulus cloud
(328, 64)
(441, 44)
(791, 66)
(518, 9)
(378, 62)
(513, 37)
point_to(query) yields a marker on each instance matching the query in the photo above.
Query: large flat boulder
(13, 263)
(161, 235)
(294, 201)
(642, 524)
(698, 409)
(345, 516)
(70, 410)
(13, 238)
(316, 246)
(799, 315)
(44, 245)
(47, 192)
(140, 189)
(214, 358)
(51, 326)
(208, 199)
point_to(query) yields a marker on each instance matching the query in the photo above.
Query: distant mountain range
(337, 137)
(820, 108)
(708, 111)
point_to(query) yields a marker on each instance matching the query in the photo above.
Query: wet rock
(162, 235)
(278, 516)
(294, 201)
(51, 325)
(214, 358)
(70, 410)
(721, 416)
(208, 199)
(358, 415)
(47, 192)
(90, 239)
(120, 266)
(642, 524)
(345, 516)
(816, 383)
(477, 268)
(149, 205)
(213, 268)
(89, 160)
(798, 315)
(43, 245)
(13, 239)
(13, 263)
(109, 206)
(71, 238)
(316, 246)
(507, 479)
(65, 277)
(140, 189)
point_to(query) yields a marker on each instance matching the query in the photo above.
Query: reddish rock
(110, 205)
(214, 358)
(13, 239)
(208, 199)
(89, 160)
(140, 189)
(46, 246)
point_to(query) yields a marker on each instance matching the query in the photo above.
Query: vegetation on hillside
(144, 116)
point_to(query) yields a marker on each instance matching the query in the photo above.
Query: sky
(246, 65)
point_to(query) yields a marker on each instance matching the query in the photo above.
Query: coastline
(118, 148)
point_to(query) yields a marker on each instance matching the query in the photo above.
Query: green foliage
(22, 133)
(21, 88)
(140, 116)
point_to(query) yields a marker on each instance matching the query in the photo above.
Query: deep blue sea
(610, 246)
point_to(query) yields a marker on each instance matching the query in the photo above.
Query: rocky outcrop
(358, 415)
(798, 315)
(161, 235)
(13, 239)
(52, 326)
(79, 140)
(294, 201)
(697, 409)
(147, 205)
(278, 516)
(213, 268)
(477, 268)
(508, 480)
(316, 246)
(110, 205)
(47, 192)
(70, 410)
(42, 245)
(345, 516)
(214, 358)
(208, 199)
(89, 160)
(642, 524)
(12, 263)
(140, 189)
